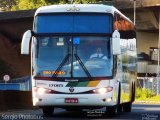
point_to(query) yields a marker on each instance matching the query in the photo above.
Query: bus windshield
(72, 56)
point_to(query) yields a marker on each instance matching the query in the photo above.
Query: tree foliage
(85, 1)
(31, 4)
(7, 4)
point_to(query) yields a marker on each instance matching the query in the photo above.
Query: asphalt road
(139, 112)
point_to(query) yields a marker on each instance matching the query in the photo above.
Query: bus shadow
(90, 114)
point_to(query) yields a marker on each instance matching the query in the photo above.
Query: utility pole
(158, 72)
(134, 2)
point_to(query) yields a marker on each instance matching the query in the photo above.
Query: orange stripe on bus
(93, 83)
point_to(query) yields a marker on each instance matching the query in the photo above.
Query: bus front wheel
(111, 111)
(127, 107)
(48, 111)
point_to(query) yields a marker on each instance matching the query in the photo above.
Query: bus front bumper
(74, 100)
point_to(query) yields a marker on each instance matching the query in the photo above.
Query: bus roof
(95, 8)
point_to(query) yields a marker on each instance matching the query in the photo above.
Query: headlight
(103, 90)
(41, 91)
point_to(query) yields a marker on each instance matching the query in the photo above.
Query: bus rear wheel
(48, 111)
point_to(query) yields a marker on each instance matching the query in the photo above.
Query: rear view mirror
(116, 43)
(25, 42)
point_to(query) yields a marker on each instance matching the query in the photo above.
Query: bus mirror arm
(26, 42)
(116, 43)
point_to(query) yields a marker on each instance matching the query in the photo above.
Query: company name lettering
(55, 85)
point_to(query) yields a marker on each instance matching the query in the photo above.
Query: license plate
(71, 100)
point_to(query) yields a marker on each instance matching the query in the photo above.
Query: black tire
(111, 111)
(119, 108)
(127, 107)
(48, 111)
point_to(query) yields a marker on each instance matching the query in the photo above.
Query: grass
(142, 93)
(152, 100)
(146, 96)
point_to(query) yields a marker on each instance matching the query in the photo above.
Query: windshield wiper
(83, 66)
(61, 65)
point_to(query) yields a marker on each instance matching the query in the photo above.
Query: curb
(147, 102)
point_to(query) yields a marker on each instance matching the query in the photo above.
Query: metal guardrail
(149, 83)
(24, 84)
(9, 86)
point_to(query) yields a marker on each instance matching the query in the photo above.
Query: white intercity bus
(83, 56)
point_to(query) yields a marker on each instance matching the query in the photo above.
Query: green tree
(7, 4)
(84, 1)
(30, 4)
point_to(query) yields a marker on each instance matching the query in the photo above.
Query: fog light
(108, 99)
